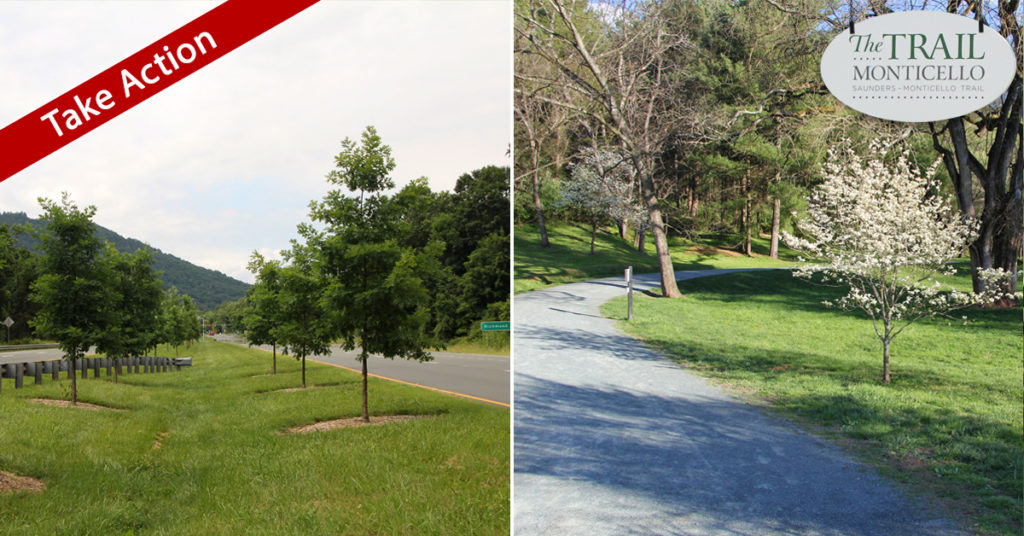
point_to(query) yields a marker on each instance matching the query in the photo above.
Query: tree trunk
(366, 408)
(593, 234)
(641, 242)
(622, 229)
(885, 360)
(74, 383)
(999, 242)
(774, 251)
(669, 289)
(745, 217)
(303, 358)
(274, 366)
(538, 206)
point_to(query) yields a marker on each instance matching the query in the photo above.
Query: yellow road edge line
(415, 384)
(464, 395)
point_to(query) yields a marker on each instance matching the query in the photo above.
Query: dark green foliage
(303, 325)
(374, 295)
(179, 319)
(414, 209)
(263, 300)
(134, 295)
(263, 305)
(73, 287)
(208, 288)
(18, 269)
(480, 208)
(486, 280)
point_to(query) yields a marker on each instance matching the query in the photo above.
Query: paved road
(22, 356)
(612, 439)
(484, 377)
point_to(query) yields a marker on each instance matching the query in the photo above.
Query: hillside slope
(209, 288)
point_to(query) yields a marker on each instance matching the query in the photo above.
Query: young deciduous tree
(134, 295)
(302, 325)
(886, 232)
(263, 312)
(180, 319)
(601, 186)
(376, 298)
(72, 288)
(627, 81)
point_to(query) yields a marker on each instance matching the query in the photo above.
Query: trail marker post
(629, 292)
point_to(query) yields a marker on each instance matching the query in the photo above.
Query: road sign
(494, 326)
(8, 322)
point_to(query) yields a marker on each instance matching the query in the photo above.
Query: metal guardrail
(128, 365)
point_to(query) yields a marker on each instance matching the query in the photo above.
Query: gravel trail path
(613, 439)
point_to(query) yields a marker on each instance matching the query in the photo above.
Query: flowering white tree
(886, 232)
(602, 186)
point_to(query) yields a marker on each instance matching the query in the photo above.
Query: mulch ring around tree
(67, 403)
(352, 422)
(10, 483)
(296, 389)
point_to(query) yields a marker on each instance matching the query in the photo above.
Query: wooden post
(629, 293)
(39, 373)
(83, 364)
(19, 379)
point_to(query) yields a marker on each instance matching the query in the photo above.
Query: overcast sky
(226, 161)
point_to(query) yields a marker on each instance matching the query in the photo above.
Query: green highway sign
(494, 326)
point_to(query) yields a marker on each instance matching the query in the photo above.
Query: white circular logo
(918, 66)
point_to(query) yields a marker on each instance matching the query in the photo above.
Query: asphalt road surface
(23, 356)
(613, 439)
(481, 377)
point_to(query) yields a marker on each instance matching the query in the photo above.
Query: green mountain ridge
(209, 288)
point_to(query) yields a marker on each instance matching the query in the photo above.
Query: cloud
(226, 161)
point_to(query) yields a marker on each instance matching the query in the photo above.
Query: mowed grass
(949, 424)
(498, 345)
(200, 452)
(568, 258)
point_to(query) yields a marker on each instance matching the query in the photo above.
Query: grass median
(949, 425)
(204, 451)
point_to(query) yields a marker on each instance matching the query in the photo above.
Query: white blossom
(603, 184)
(885, 231)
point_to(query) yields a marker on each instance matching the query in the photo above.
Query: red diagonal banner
(137, 78)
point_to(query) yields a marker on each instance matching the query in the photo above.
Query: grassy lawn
(568, 258)
(949, 424)
(199, 452)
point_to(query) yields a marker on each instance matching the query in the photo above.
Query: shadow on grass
(781, 286)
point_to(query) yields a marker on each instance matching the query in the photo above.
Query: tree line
(81, 292)
(208, 288)
(688, 118)
(393, 275)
